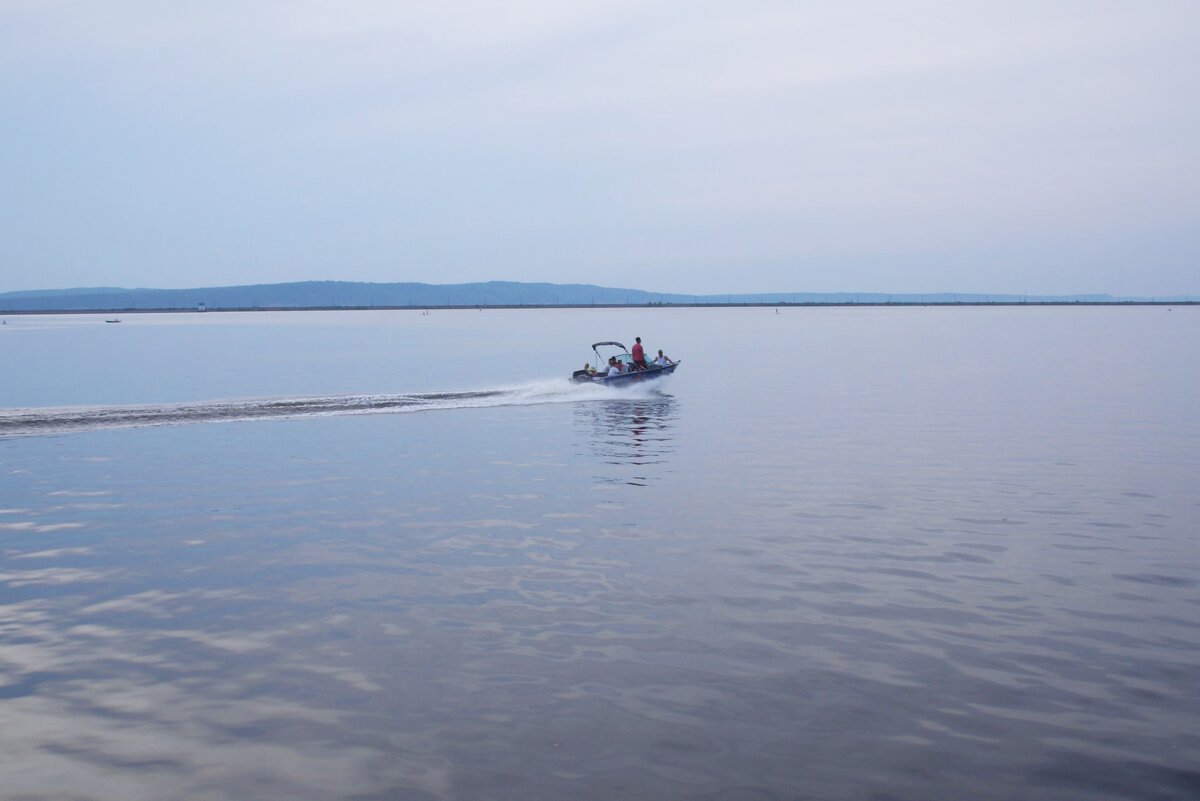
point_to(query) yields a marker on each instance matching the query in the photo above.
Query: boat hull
(637, 376)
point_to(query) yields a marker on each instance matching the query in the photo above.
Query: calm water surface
(841, 554)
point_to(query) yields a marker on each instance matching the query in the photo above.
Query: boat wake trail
(58, 420)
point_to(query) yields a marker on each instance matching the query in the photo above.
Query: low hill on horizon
(351, 294)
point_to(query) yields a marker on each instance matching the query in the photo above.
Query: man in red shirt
(639, 356)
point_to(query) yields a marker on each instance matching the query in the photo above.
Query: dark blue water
(841, 554)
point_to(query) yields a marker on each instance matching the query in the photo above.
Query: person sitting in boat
(639, 355)
(663, 361)
(614, 366)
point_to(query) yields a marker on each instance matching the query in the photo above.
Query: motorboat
(588, 375)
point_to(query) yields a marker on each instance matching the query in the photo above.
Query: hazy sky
(858, 145)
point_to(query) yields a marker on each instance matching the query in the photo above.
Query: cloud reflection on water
(208, 711)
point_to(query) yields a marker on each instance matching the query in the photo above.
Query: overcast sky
(698, 147)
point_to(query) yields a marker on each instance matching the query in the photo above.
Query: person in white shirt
(614, 366)
(663, 361)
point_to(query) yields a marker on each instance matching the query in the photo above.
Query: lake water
(843, 553)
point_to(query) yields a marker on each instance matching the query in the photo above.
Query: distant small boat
(112, 321)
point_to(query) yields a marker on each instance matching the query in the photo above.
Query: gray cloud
(1042, 147)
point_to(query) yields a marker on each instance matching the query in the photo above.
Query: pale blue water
(841, 554)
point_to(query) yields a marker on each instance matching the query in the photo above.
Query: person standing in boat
(639, 355)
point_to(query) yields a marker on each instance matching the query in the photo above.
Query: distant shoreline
(518, 306)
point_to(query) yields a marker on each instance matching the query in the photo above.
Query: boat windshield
(605, 349)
